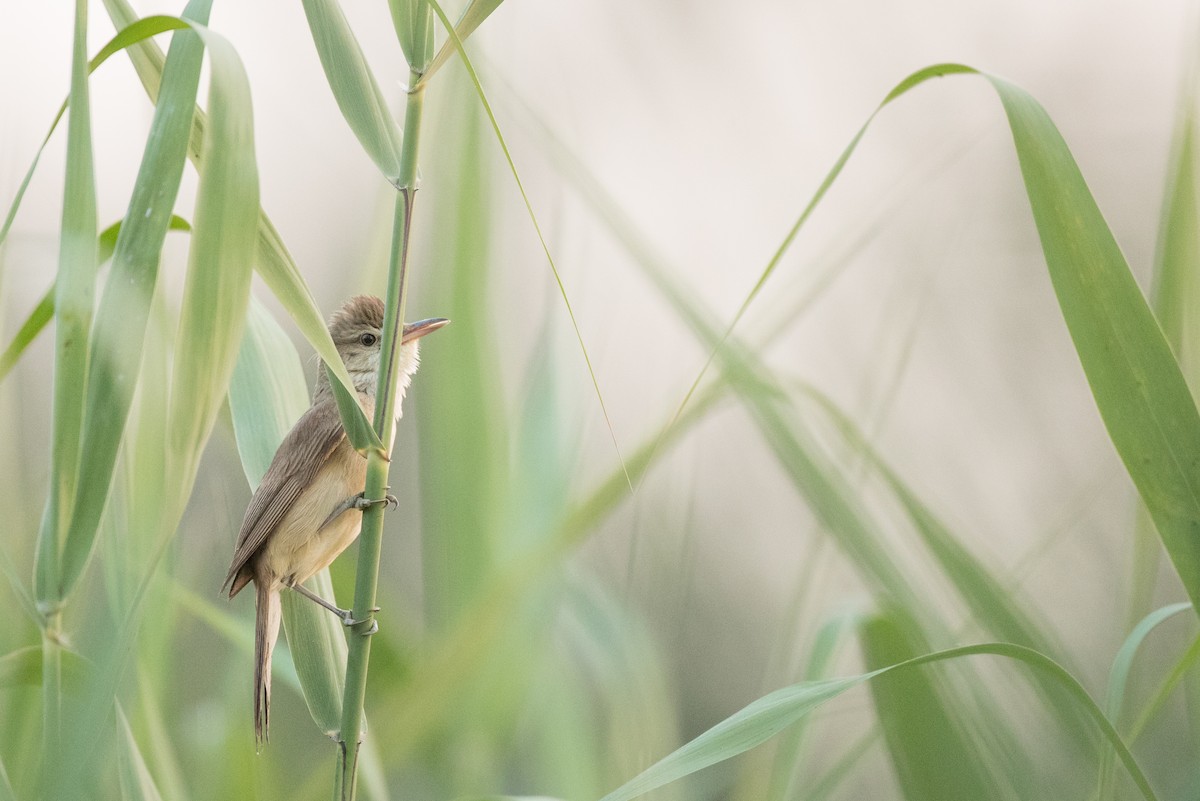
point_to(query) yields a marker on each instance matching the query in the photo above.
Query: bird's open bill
(421, 328)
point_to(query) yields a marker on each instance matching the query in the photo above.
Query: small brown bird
(308, 508)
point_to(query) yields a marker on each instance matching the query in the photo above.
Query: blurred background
(679, 140)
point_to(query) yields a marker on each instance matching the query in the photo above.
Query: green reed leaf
(410, 18)
(116, 348)
(1138, 387)
(354, 86)
(764, 718)
(1118, 680)
(74, 293)
(217, 289)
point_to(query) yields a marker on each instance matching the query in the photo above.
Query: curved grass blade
(217, 289)
(1137, 384)
(1118, 677)
(763, 719)
(43, 313)
(354, 85)
(116, 346)
(1118, 680)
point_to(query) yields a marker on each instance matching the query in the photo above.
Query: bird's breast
(300, 546)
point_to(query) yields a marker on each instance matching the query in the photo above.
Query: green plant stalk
(371, 538)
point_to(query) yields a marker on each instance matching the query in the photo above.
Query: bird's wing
(303, 451)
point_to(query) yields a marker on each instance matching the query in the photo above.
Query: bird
(308, 507)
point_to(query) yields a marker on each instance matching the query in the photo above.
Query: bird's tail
(266, 631)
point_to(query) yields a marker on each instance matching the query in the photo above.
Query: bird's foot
(350, 622)
(361, 501)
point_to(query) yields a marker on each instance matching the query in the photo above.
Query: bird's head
(357, 331)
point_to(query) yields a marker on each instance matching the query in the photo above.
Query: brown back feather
(304, 450)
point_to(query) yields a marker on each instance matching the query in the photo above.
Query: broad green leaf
(74, 293)
(354, 85)
(317, 640)
(930, 752)
(44, 311)
(472, 17)
(1175, 298)
(217, 289)
(272, 261)
(136, 782)
(411, 20)
(1139, 389)
(763, 719)
(121, 319)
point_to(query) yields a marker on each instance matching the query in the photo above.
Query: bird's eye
(368, 339)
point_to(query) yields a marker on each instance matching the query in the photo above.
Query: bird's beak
(420, 328)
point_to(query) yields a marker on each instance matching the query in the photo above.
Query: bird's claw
(350, 622)
(362, 502)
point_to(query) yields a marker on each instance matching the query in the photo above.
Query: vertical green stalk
(370, 540)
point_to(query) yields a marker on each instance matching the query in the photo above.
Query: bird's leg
(347, 615)
(358, 502)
